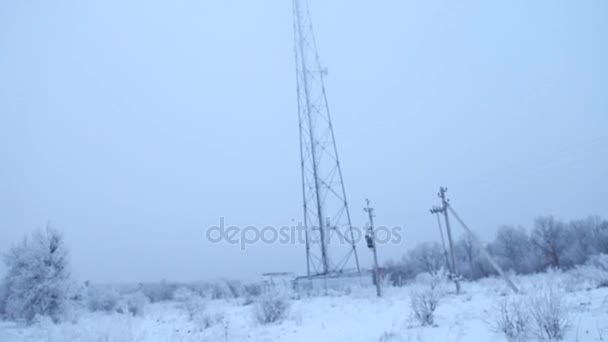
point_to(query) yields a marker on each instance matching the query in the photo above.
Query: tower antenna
(330, 242)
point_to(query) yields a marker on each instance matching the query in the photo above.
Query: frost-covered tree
(581, 237)
(38, 279)
(427, 257)
(550, 237)
(469, 259)
(601, 237)
(513, 250)
(398, 273)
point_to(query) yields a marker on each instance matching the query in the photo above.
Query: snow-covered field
(358, 316)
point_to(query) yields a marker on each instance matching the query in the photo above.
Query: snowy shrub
(549, 316)
(102, 299)
(195, 307)
(600, 263)
(399, 273)
(183, 294)
(424, 303)
(199, 315)
(133, 304)
(218, 290)
(209, 319)
(38, 280)
(425, 298)
(585, 277)
(271, 309)
(511, 319)
(159, 292)
(252, 290)
(235, 287)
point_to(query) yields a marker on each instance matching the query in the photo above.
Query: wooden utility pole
(371, 243)
(444, 209)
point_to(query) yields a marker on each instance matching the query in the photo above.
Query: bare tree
(582, 237)
(473, 265)
(600, 235)
(551, 238)
(513, 249)
(427, 257)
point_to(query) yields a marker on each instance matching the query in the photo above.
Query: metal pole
(301, 149)
(312, 139)
(372, 235)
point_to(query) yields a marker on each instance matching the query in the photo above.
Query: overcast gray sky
(134, 125)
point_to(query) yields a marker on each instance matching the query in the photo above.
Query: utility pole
(444, 210)
(371, 243)
(437, 210)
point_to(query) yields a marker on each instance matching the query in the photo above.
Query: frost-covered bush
(399, 273)
(252, 290)
(195, 307)
(270, 309)
(208, 319)
(593, 274)
(424, 298)
(159, 292)
(550, 316)
(424, 303)
(101, 299)
(38, 279)
(218, 289)
(512, 319)
(133, 304)
(183, 294)
(109, 300)
(235, 287)
(600, 262)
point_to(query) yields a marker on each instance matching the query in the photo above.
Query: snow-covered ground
(358, 316)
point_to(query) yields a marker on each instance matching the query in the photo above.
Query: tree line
(551, 243)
